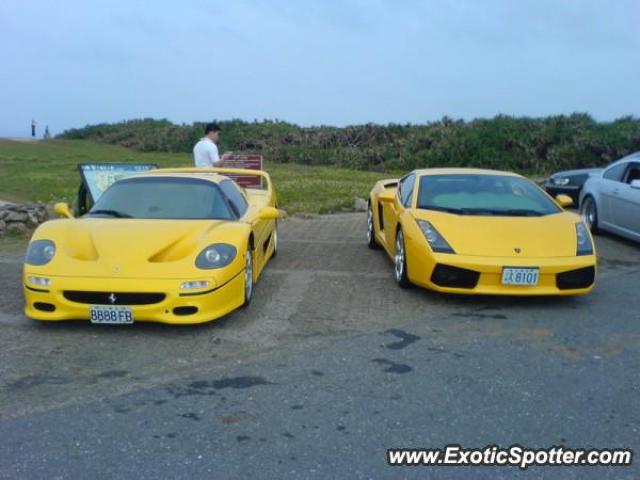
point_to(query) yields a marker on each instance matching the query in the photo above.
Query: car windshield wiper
(518, 212)
(111, 213)
(459, 211)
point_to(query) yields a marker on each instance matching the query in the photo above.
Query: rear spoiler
(222, 171)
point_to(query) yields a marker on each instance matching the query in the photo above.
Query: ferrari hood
(500, 236)
(134, 248)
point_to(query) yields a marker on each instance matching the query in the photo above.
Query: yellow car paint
(125, 255)
(482, 244)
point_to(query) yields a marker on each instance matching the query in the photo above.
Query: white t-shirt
(205, 153)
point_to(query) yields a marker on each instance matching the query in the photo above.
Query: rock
(360, 205)
(3, 226)
(42, 213)
(49, 210)
(17, 229)
(17, 217)
(32, 218)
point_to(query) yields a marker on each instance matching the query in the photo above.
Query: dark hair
(211, 127)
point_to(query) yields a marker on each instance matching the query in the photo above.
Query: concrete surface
(331, 365)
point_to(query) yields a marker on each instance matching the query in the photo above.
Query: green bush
(529, 145)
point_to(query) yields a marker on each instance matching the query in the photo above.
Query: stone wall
(16, 219)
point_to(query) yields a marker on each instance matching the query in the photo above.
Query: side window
(405, 189)
(235, 196)
(633, 173)
(616, 172)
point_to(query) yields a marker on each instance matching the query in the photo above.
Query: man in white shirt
(205, 153)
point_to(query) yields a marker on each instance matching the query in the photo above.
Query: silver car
(610, 199)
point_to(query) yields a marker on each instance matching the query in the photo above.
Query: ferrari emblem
(113, 299)
(517, 250)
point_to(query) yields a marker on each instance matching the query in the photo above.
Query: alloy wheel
(248, 276)
(369, 225)
(589, 213)
(399, 257)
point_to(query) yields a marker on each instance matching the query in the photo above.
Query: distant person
(33, 128)
(47, 135)
(205, 153)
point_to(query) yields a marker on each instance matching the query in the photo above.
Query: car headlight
(217, 255)
(584, 245)
(435, 240)
(40, 252)
(40, 281)
(561, 181)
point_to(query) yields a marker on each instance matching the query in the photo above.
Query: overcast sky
(75, 62)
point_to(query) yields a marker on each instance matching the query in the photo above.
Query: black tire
(371, 233)
(248, 277)
(400, 262)
(589, 213)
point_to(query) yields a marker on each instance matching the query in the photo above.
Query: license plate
(115, 315)
(520, 276)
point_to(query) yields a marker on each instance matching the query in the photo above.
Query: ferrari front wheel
(248, 277)
(400, 262)
(274, 240)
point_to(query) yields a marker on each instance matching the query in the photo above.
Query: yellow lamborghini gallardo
(480, 232)
(170, 245)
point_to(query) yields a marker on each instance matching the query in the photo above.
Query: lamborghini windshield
(162, 198)
(470, 194)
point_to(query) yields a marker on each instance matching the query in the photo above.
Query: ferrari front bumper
(172, 305)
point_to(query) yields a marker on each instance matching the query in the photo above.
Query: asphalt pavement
(331, 365)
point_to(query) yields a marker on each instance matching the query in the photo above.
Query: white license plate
(520, 276)
(115, 315)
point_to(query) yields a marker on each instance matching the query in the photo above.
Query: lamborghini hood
(128, 248)
(500, 236)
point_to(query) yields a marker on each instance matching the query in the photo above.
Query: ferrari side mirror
(62, 210)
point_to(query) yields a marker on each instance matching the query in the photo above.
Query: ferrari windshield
(469, 194)
(163, 198)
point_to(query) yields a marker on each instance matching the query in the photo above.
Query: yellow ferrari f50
(169, 245)
(480, 232)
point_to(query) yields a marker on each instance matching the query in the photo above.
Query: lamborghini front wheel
(400, 262)
(371, 234)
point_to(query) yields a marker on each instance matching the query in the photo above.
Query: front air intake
(575, 279)
(185, 310)
(44, 307)
(454, 277)
(113, 298)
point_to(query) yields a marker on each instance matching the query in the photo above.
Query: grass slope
(46, 171)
